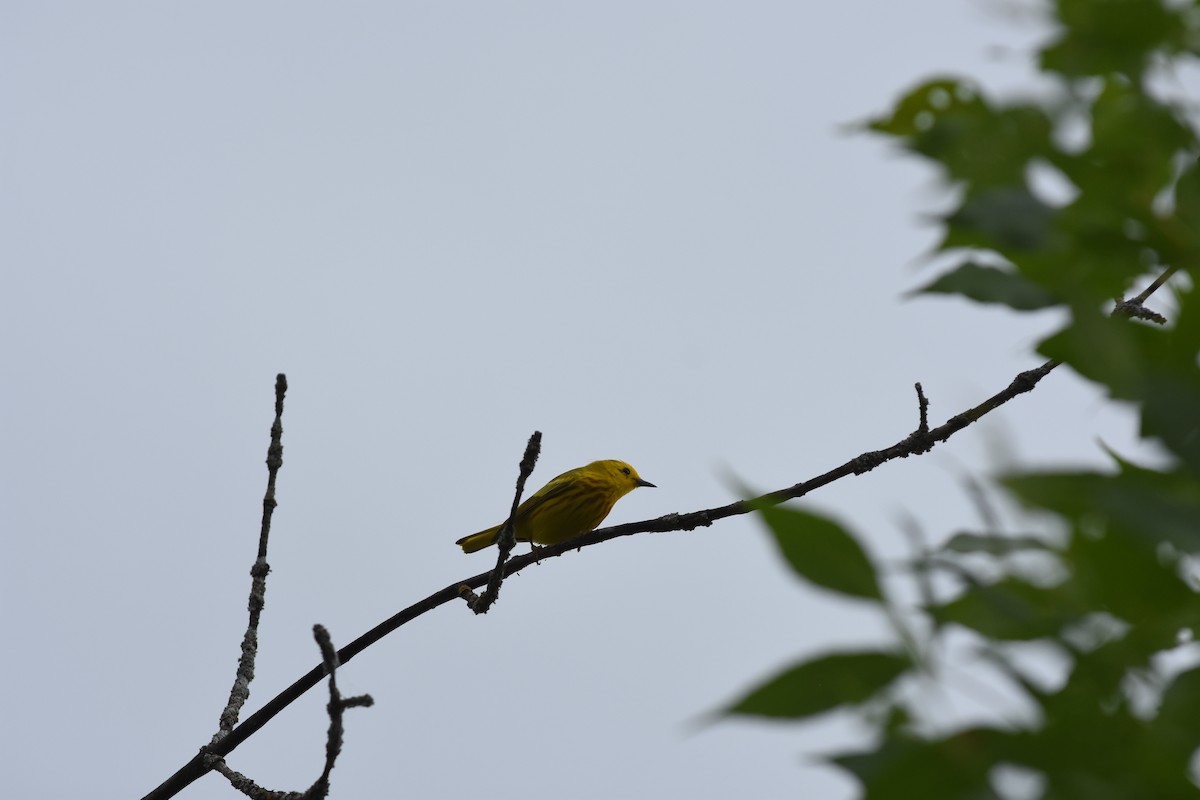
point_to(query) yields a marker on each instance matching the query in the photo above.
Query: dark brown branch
(916, 443)
(1155, 285)
(506, 539)
(923, 410)
(258, 575)
(333, 738)
(1134, 307)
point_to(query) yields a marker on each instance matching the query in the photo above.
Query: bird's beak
(641, 482)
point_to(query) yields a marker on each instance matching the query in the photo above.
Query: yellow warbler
(568, 506)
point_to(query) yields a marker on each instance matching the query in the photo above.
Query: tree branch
(258, 574)
(920, 441)
(506, 539)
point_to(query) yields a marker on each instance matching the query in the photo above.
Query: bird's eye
(625, 470)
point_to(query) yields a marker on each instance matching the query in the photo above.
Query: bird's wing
(555, 488)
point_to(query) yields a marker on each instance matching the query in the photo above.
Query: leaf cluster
(1116, 592)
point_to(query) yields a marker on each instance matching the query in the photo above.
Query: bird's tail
(478, 541)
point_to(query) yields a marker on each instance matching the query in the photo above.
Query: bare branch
(258, 573)
(923, 410)
(913, 444)
(506, 540)
(1155, 285)
(1134, 308)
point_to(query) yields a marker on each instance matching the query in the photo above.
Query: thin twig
(1155, 285)
(506, 539)
(1134, 307)
(923, 410)
(258, 574)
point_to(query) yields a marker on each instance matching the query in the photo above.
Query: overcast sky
(641, 228)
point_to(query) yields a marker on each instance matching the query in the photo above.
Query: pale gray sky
(637, 227)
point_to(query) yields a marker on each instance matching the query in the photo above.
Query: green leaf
(1187, 197)
(1177, 236)
(1114, 229)
(1090, 745)
(1171, 413)
(987, 284)
(951, 122)
(1155, 506)
(1174, 730)
(822, 551)
(1007, 219)
(1009, 609)
(993, 543)
(1156, 366)
(822, 684)
(905, 767)
(1131, 579)
(1098, 38)
(1100, 348)
(913, 112)
(1135, 141)
(1100, 249)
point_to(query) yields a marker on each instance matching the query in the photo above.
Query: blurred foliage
(1115, 590)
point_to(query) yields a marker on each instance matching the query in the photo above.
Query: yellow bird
(568, 506)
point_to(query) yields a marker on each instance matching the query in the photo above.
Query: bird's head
(623, 475)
